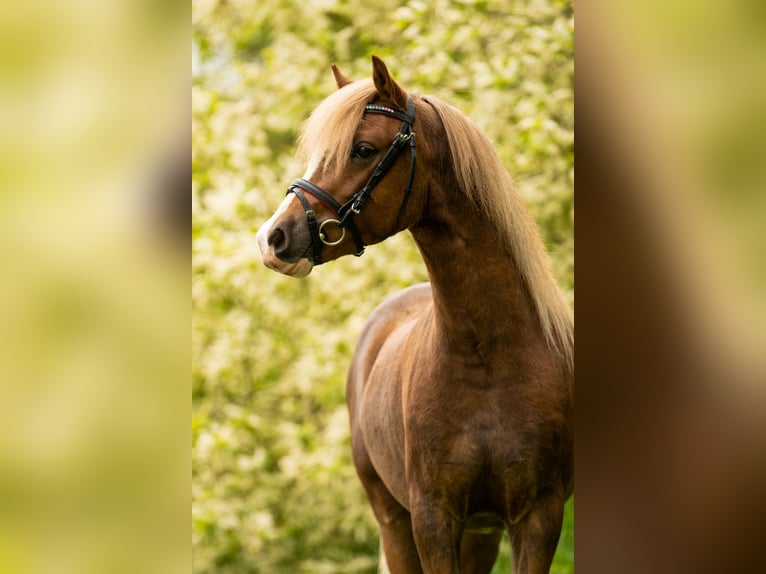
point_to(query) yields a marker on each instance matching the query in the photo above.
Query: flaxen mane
(484, 179)
(326, 142)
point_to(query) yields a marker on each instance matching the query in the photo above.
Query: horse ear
(388, 89)
(340, 78)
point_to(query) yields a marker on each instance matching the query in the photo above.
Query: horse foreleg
(535, 538)
(437, 535)
(397, 541)
(478, 551)
(398, 544)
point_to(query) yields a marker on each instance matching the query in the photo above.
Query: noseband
(344, 214)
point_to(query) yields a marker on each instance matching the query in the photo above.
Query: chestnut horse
(460, 393)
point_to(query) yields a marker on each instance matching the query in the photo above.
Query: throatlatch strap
(408, 189)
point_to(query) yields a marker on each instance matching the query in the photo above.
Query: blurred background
(671, 307)
(273, 487)
(94, 355)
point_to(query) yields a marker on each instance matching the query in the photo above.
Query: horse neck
(481, 303)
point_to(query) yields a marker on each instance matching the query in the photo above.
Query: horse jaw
(300, 268)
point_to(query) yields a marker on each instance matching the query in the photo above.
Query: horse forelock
(328, 135)
(482, 176)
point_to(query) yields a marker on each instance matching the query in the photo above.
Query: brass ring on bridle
(322, 235)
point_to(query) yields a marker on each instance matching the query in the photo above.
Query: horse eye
(364, 151)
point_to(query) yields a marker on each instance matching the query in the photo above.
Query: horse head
(360, 185)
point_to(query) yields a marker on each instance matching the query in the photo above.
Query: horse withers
(460, 393)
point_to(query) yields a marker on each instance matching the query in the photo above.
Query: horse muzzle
(285, 245)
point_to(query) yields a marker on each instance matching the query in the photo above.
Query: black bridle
(345, 213)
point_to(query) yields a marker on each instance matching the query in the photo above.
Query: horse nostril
(276, 238)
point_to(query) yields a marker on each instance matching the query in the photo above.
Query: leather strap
(311, 219)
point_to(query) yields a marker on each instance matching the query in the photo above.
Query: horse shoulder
(401, 308)
(374, 386)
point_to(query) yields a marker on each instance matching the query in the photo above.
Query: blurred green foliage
(274, 489)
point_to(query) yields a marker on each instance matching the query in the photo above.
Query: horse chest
(440, 433)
